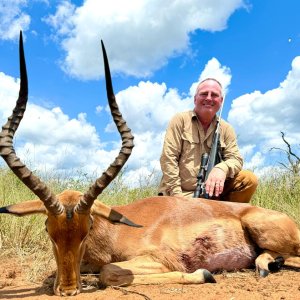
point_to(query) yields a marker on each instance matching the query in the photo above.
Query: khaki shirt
(184, 144)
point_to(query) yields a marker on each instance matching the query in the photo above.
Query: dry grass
(280, 192)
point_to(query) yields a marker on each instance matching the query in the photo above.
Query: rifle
(209, 161)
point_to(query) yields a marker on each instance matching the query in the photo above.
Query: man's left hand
(214, 184)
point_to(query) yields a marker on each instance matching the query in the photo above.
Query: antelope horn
(127, 144)
(7, 150)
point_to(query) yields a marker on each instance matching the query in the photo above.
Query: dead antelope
(181, 241)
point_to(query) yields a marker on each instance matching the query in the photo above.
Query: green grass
(26, 236)
(280, 192)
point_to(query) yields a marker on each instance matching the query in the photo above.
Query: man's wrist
(222, 166)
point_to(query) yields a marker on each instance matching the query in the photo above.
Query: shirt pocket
(190, 145)
(190, 156)
(190, 138)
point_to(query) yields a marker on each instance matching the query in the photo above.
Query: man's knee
(241, 188)
(249, 179)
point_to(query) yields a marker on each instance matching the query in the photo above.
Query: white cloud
(62, 20)
(213, 69)
(8, 94)
(156, 32)
(258, 118)
(144, 176)
(247, 150)
(149, 106)
(255, 163)
(49, 139)
(99, 109)
(13, 19)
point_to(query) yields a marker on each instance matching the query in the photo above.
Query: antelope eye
(46, 229)
(91, 222)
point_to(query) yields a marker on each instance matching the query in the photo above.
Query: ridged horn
(7, 150)
(127, 144)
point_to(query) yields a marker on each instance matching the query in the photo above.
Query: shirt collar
(214, 121)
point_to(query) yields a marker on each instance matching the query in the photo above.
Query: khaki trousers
(238, 189)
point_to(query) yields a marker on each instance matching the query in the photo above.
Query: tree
(293, 159)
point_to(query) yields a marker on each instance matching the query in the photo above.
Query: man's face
(208, 98)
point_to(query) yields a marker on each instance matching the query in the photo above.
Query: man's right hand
(214, 184)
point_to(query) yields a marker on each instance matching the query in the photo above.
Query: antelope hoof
(276, 265)
(208, 277)
(263, 272)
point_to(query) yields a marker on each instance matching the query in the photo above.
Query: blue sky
(157, 55)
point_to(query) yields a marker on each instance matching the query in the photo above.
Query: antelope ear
(110, 214)
(24, 208)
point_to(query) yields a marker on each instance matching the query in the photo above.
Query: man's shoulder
(184, 115)
(182, 118)
(226, 127)
(225, 124)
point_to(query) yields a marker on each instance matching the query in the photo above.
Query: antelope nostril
(69, 292)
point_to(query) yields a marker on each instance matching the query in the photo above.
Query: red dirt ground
(244, 285)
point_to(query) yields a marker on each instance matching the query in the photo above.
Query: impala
(180, 240)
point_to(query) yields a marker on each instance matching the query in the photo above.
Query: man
(188, 136)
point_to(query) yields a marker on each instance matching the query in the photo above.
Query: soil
(245, 284)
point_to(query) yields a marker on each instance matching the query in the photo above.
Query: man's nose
(209, 96)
